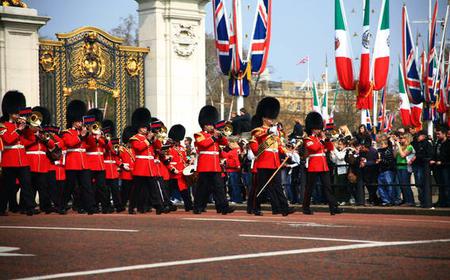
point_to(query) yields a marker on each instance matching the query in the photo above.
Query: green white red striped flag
(315, 104)
(381, 49)
(405, 108)
(364, 98)
(342, 46)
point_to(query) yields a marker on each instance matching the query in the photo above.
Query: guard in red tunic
(267, 147)
(57, 173)
(144, 173)
(161, 172)
(177, 162)
(209, 170)
(112, 164)
(95, 148)
(127, 159)
(316, 146)
(77, 168)
(37, 146)
(14, 161)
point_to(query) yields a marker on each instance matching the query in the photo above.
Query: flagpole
(307, 78)
(375, 107)
(222, 101)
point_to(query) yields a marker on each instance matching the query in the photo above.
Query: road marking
(235, 257)
(4, 252)
(70, 228)
(307, 224)
(308, 238)
(223, 220)
(417, 220)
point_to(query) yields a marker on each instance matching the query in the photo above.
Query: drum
(190, 175)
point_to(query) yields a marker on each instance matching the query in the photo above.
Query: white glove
(274, 130)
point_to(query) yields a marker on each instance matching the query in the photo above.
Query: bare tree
(127, 30)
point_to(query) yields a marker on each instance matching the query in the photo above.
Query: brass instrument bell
(96, 128)
(35, 119)
(227, 130)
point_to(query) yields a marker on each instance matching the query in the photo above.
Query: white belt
(317, 155)
(172, 162)
(14, 147)
(57, 162)
(208, 153)
(94, 153)
(76, 150)
(145, 157)
(109, 161)
(271, 150)
(36, 153)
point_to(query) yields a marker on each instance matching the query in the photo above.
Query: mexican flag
(364, 70)
(381, 49)
(315, 100)
(342, 46)
(325, 115)
(405, 108)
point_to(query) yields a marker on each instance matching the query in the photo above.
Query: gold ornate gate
(91, 65)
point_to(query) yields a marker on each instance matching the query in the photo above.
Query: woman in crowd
(404, 152)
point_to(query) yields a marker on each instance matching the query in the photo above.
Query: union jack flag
(303, 60)
(222, 36)
(389, 123)
(367, 120)
(431, 67)
(259, 50)
(412, 80)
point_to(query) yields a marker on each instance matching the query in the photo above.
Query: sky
(299, 28)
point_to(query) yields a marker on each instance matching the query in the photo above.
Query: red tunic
(13, 154)
(76, 150)
(94, 153)
(58, 165)
(127, 158)
(178, 159)
(317, 160)
(37, 152)
(145, 155)
(233, 163)
(112, 163)
(208, 152)
(270, 157)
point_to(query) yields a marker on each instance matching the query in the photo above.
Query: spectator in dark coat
(241, 123)
(424, 151)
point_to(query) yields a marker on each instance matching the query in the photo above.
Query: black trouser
(165, 192)
(56, 190)
(39, 184)
(128, 192)
(79, 185)
(210, 182)
(370, 179)
(274, 190)
(10, 174)
(113, 186)
(101, 189)
(311, 178)
(252, 203)
(148, 190)
(185, 195)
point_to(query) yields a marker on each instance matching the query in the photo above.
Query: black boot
(336, 210)
(308, 211)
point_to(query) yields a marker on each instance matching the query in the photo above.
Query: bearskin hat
(177, 132)
(12, 101)
(268, 107)
(208, 115)
(46, 116)
(110, 125)
(141, 117)
(97, 113)
(127, 133)
(75, 111)
(256, 121)
(313, 120)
